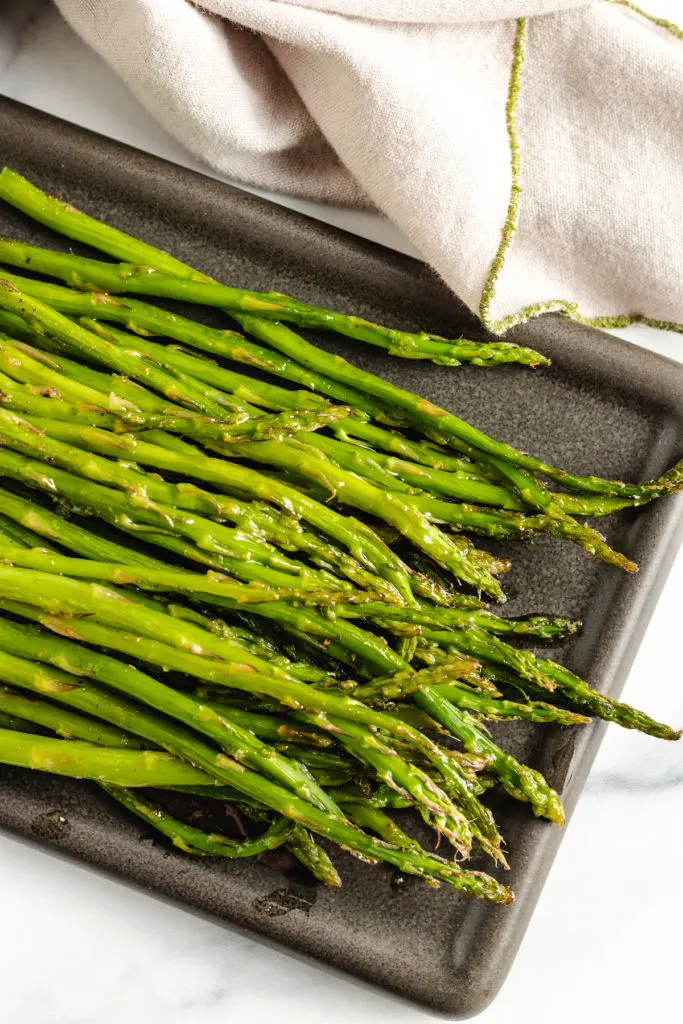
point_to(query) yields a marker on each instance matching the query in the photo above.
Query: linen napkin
(532, 150)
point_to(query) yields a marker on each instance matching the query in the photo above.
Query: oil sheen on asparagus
(264, 589)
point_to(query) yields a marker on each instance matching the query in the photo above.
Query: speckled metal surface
(604, 406)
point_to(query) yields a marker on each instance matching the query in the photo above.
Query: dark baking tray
(604, 406)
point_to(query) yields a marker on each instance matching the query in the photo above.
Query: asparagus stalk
(88, 761)
(363, 544)
(176, 388)
(432, 420)
(356, 491)
(424, 453)
(197, 287)
(520, 781)
(214, 724)
(193, 840)
(261, 790)
(72, 725)
(17, 532)
(311, 854)
(413, 783)
(20, 366)
(351, 488)
(406, 477)
(145, 319)
(187, 838)
(43, 318)
(258, 393)
(95, 701)
(229, 551)
(502, 523)
(541, 627)
(497, 709)
(382, 825)
(19, 724)
(467, 484)
(130, 768)
(371, 648)
(543, 676)
(323, 369)
(280, 425)
(210, 584)
(289, 693)
(235, 552)
(49, 353)
(89, 545)
(69, 725)
(231, 737)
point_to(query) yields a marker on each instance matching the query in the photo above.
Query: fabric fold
(531, 150)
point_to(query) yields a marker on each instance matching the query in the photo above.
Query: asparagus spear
(245, 389)
(193, 840)
(47, 318)
(69, 725)
(501, 523)
(19, 642)
(231, 737)
(352, 489)
(131, 768)
(289, 692)
(311, 854)
(262, 791)
(411, 782)
(437, 423)
(424, 453)
(545, 676)
(44, 319)
(470, 487)
(520, 781)
(72, 725)
(407, 477)
(50, 354)
(214, 544)
(90, 545)
(363, 544)
(432, 420)
(541, 627)
(146, 319)
(497, 709)
(17, 533)
(169, 701)
(236, 553)
(210, 584)
(19, 365)
(88, 761)
(367, 646)
(76, 225)
(382, 825)
(279, 425)
(19, 724)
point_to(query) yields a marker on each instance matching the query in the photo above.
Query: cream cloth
(532, 150)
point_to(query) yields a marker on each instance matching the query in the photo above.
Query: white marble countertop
(77, 948)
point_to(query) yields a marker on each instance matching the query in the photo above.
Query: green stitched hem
(571, 309)
(662, 22)
(512, 218)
